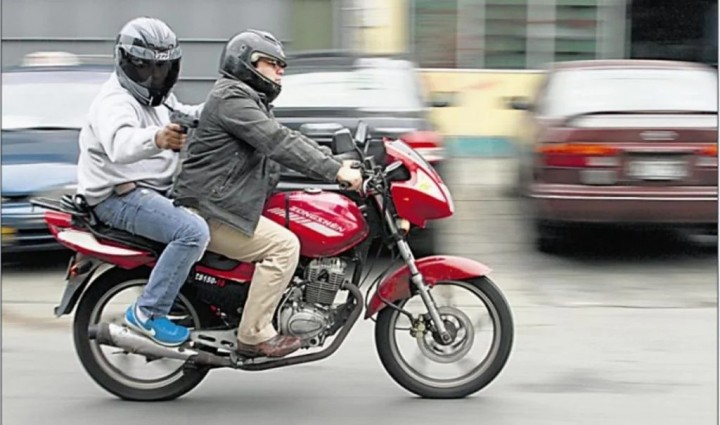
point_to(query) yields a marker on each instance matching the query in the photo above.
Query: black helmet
(147, 59)
(241, 53)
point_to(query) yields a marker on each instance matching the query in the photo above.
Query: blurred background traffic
(579, 139)
(456, 78)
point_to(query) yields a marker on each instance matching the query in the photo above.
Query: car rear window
(571, 92)
(44, 101)
(367, 89)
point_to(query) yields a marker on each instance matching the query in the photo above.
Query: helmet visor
(274, 61)
(153, 74)
(128, 45)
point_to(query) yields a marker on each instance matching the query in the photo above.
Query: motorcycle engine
(306, 310)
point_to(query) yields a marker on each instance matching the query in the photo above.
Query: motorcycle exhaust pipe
(133, 342)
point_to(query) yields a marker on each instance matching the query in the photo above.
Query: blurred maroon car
(622, 142)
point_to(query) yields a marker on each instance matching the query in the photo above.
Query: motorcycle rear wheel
(392, 339)
(99, 364)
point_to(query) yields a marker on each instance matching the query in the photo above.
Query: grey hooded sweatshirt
(117, 144)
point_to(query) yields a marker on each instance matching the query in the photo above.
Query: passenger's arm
(117, 126)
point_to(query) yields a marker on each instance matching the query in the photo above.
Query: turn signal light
(708, 156)
(710, 151)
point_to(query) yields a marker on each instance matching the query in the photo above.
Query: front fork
(415, 276)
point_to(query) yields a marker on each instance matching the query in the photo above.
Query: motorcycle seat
(102, 231)
(209, 259)
(77, 206)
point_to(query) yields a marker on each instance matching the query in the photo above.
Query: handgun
(185, 121)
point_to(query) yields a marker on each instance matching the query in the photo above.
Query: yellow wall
(480, 95)
(480, 98)
(390, 35)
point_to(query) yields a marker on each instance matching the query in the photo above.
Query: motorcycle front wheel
(132, 376)
(481, 326)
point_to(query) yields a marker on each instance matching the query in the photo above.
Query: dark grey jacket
(232, 159)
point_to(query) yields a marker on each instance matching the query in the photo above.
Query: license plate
(658, 169)
(8, 235)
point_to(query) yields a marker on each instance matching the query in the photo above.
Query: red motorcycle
(443, 329)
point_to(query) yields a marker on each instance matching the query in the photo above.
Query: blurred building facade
(455, 34)
(483, 52)
(480, 52)
(527, 34)
(89, 27)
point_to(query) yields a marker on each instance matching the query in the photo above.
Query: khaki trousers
(275, 251)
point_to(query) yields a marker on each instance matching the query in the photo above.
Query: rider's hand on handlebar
(170, 137)
(350, 176)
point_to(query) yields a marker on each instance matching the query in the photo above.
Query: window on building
(507, 34)
(576, 30)
(674, 30)
(434, 29)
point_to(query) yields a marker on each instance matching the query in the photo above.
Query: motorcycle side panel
(243, 272)
(326, 223)
(434, 269)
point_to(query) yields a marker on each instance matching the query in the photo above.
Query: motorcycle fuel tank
(326, 223)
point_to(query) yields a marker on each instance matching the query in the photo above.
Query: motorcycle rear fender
(434, 269)
(80, 272)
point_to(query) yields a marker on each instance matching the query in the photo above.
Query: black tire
(84, 347)
(549, 239)
(387, 351)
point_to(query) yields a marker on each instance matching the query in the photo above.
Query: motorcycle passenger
(233, 165)
(127, 163)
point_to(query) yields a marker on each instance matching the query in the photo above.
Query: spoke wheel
(133, 376)
(479, 320)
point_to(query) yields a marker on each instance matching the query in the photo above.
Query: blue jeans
(147, 213)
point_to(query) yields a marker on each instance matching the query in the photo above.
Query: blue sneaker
(159, 329)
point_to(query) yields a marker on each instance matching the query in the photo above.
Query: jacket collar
(260, 97)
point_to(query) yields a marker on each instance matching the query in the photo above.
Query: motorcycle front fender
(434, 269)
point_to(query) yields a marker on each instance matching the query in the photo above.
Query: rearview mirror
(361, 132)
(342, 142)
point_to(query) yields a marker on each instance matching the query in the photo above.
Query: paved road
(619, 329)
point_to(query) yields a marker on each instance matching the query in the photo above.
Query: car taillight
(708, 156)
(429, 144)
(577, 155)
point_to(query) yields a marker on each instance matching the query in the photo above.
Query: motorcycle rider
(233, 165)
(128, 157)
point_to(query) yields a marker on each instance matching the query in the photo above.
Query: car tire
(548, 238)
